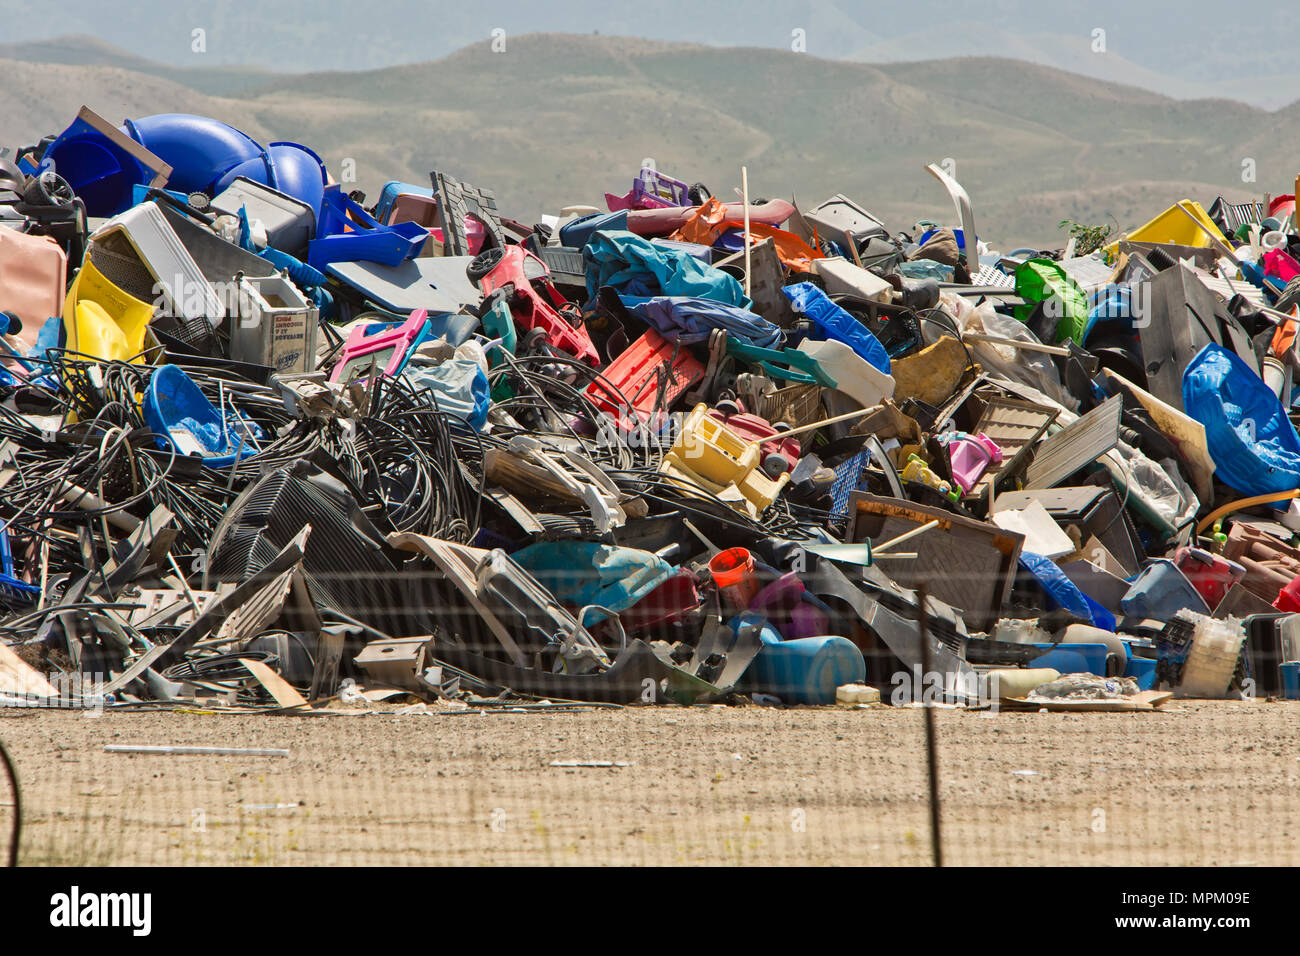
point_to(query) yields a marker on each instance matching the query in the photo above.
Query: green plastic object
(790, 365)
(1040, 280)
(498, 323)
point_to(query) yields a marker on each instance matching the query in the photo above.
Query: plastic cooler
(1209, 573)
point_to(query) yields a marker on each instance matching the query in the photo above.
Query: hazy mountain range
(556, 119)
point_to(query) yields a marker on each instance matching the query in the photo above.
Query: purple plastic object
(651, 190)
(782, 603)
(970, 455)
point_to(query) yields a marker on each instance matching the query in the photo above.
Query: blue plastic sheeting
(459, 387)
(581, 573)
(688, 321)
(1062, 592)
(1254, 445)
(926, 269)
(637, 267)
(576, 233)
(834, 323)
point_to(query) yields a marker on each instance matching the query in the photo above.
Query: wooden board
(18, 677)
(1147, 700)
(279, 688)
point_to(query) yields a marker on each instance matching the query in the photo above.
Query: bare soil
(1198, 783)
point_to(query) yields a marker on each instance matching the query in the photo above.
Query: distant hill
(1182, 48)
(560, 119)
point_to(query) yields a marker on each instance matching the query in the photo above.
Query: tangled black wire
(405, 458)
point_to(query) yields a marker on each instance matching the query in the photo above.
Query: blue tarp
(636, 266)
(689, 320)
(580, 573)
(1062, 591)
(1254, 445)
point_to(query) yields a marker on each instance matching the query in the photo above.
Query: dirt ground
(1200, 783)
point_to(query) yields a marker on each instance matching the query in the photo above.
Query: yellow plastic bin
(1173, 226)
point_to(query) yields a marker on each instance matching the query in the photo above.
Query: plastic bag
(1035, 369)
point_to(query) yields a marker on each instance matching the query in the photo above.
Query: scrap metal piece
(901, 635)
(965, 213)
(1076, 445)
(766, 279)
(265, 607)
(164, 655)
(1105, 532)
(839, 215)
(329, 655)
(457, 562)
(639, 675)
(1185, 317)
(397, 662)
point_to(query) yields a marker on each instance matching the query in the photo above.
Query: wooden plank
(18, 677)
(279, 688)
(1147, 700)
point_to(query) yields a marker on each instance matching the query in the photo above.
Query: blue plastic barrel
(199, 149)
(803, 671)
(1073, 658)
(1290, 680)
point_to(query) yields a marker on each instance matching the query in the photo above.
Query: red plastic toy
(752, 428)
(638, 373)
(535, 303)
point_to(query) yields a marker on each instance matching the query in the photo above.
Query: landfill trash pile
(266, 444)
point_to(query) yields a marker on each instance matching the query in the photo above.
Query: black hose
(16, 828)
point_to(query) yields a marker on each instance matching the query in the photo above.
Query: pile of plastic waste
(264, 442)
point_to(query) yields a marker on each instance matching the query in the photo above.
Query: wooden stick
(744, 195)
(1027, 346)
(853, 248)
(905, 536)
(816, 425)
(1219, 245)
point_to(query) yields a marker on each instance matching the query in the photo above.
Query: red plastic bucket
(733, 573)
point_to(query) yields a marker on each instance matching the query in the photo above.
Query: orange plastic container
(733, 573)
